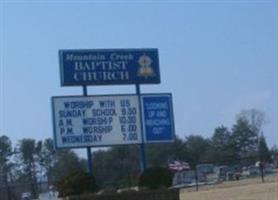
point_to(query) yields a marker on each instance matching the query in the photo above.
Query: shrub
(76, 184)
(156, 178)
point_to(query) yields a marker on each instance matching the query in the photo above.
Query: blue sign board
(158, 122)
(109, 66)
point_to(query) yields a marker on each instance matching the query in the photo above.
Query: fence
(202, 174)
(15, 191)
(213, 173)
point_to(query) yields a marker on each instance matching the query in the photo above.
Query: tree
(248, 135)
(5, 164)
(255, 118)
(66, 162)
(160, 154)
(47, 157)
(264, 153)
(117, 166)
(274, 155)
(28, 152)
(5, 154)
(245, 140)
(274, 150)
(221, 150)
(196, 148)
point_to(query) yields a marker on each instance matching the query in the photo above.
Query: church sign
(109, 67)
(82, 121)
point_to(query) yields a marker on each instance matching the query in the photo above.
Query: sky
(216, 58)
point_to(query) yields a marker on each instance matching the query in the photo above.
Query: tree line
(242, 144)
(32, 161)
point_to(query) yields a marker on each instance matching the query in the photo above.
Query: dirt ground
(251, 189)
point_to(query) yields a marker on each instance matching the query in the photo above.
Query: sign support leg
(143, 157)
(90, 161)
(89, 152)
(142, 145)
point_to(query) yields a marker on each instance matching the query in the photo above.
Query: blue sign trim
(109, 67)
(158, 118)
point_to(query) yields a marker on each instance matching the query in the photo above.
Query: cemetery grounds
(246, 189)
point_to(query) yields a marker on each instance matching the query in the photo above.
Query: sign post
(142, 145)
(89, 152)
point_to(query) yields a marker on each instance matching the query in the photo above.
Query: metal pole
(89, 152)
(196, 178)
(142, 145)
(262, 170)
(90, 161)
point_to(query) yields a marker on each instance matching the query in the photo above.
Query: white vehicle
(26, 196)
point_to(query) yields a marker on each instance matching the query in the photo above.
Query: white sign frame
(78, 120)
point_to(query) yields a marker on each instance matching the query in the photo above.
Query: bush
(156, 178)
(76, 184)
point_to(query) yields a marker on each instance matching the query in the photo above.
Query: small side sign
(158, 122)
